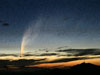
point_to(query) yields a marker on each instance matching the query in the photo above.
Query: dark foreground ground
(83, 68)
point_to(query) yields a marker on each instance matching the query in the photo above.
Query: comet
(22, 49)
(30, 34)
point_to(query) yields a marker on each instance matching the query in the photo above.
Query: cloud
(24, 62)
(48, 54)
(20, 62)
(62, 47)
(9, 55)
(81, 52)
(28, 55)
(5, 24)
(66, 60)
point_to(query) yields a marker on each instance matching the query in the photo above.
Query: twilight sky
(49, 24)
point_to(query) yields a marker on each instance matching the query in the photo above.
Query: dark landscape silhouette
(19, 67)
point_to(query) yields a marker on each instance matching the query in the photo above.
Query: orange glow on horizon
(67, 64)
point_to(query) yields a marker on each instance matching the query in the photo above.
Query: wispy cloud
(62, 47)
(81, 52)
(9, 55)
(48, 54)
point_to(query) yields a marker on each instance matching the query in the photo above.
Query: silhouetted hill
(85, 67)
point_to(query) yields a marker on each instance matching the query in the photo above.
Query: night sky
(49, 25)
